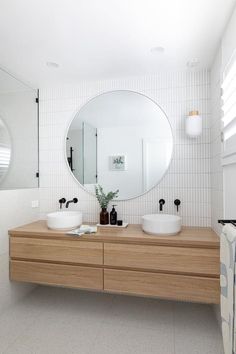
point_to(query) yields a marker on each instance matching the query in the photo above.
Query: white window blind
(5, 154)
(229, 112)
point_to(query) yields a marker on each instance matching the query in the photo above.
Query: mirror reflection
(5, 150)
(120, 140)
(18, 134)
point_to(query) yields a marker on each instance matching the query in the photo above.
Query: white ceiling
(9, 84)
(93, 39)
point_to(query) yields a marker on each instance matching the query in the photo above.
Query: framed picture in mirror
(118, 163)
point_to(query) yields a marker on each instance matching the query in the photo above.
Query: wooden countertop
(188, 237)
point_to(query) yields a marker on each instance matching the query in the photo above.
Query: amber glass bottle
(104, 217)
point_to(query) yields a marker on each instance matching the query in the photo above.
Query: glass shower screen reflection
(81, 150)
(89, 154)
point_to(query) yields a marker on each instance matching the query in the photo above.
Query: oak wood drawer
(56, 250)
(57, 274)
(163, 258)
(169, 286)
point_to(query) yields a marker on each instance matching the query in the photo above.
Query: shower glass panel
(18, 134)
(89, 154)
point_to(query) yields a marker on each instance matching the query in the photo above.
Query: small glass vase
(104, 217)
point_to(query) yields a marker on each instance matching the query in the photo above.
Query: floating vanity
(128, 261)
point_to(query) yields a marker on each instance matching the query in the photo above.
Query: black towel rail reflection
(223, 222)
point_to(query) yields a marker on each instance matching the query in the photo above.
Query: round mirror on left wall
(119, 140)
(5, 150)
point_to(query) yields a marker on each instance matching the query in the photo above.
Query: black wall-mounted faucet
(62, 201)
(177, 202)
(161, 203)
(74, 200)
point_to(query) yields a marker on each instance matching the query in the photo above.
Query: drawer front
(162, 258)
(57, 274)
(56, 250)
(168, 286)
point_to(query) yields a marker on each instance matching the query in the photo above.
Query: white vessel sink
(161, 224)
(64, 220)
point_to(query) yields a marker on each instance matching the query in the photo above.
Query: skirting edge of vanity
(127, 261)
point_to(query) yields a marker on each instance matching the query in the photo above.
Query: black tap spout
(74, 200)
(177, 203)
(161, 203)
(61, 201)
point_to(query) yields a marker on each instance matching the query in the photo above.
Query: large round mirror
(5, 150)
(120, 140)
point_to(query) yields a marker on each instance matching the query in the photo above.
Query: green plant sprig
(104, 199)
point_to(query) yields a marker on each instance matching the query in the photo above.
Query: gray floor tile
(196, 330)
(60, 334)
(141, 312)
(15, 321)
(117, 339)
(64, 321)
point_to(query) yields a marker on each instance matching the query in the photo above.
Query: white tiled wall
(216, 168)
(15, 210)
(189, 175)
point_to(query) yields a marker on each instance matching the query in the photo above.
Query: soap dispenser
(113, 216)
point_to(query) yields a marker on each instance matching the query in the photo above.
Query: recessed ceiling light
(193, 63)
(157, 50)
(51, 64)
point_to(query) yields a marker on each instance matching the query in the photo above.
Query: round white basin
(64, 220)
(161, 224)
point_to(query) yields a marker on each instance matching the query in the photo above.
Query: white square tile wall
(216, 167)
(188, 177)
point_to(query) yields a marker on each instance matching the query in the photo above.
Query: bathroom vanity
(128, 261)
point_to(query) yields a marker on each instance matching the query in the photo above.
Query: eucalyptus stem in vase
(104, 200)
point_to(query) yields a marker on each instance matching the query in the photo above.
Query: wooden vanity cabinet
(66, 275)
(179, 273)
(163, 285)
(66, 251)
(185, 260)
(183, 267)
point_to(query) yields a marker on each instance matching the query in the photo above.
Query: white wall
(189, 175)
(120, 141)
(15, 210)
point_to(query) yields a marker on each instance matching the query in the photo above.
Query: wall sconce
(193, 124)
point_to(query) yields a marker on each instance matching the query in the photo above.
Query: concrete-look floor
(64, 321)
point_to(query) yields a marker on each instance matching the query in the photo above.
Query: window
(229, 112)
(5, 154)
